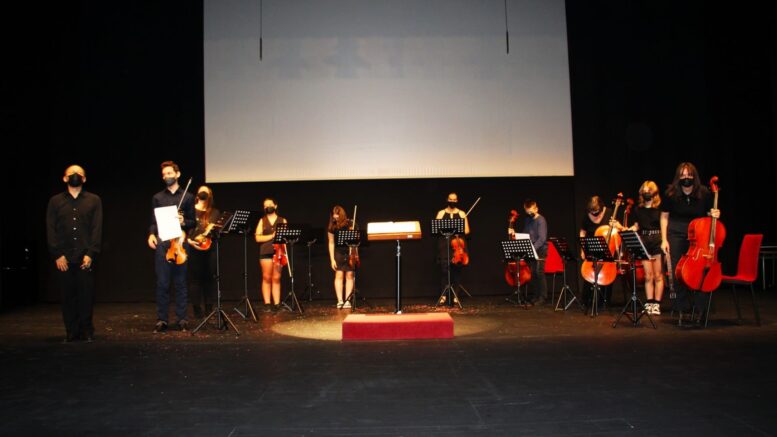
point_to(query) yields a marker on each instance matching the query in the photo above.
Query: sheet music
(168, 226)
(522, 236)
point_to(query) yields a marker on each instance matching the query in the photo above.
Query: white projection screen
(381, 89)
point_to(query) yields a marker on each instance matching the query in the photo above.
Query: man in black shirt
(166, 271)
(74, 224)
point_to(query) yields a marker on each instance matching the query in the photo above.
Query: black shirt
(682, 209)
(648, 219)
(74, 226)
(166, 198)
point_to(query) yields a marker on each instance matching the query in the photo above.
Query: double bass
(699, 269)
(607, 270)
(521, 269)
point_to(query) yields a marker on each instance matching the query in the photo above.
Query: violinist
(451, 211)
(166, 272)
(202, 257)
(339, 256)
(647, 223)
(269, 262)
(685, 199)
(537, 227)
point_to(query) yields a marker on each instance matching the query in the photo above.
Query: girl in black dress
(647, 221)
(339, 257)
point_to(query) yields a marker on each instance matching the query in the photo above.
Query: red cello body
(513, 270)
(699, 269)
(608, 271)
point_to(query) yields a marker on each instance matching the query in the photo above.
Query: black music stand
(284, 234)
(310, 287)
(596, 250)
(448, 227)
(637, 250)
(222, 319)
(562, 247)
(241, 224)
(519, 250)
(350, 239)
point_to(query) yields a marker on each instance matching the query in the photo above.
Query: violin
(513, 270)
(459, 245)
(176, 253)
(353, 252)
(279, 257)
(699, 269)
(203, 241)
(606, 271)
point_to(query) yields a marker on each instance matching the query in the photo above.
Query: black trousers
(202, 279)
(77, 286)
(678, 245)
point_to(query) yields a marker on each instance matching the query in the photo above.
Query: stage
(508, 371)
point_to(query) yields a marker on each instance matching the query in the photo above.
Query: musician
(537, 227)
(597, 214)
(271, 270)
(74, 223)
(450, 211)
(167, 272)
(685, 199)
(647, 221)
(339, 257)
(202, 262)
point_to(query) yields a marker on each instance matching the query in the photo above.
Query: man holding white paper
(168, 222)
(536, 227)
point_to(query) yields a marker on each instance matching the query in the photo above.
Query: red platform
(397, 326)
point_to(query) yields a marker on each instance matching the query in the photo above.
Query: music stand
(218, 311)
(637, 250)
(448, 227)
(310, 287)
(519, 250)
(350, 239)
(284, 234)
(596, 250)
(562, 247)
(240, 224)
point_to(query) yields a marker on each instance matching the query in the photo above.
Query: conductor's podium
(397, 326)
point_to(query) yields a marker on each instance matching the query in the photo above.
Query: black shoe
(276, 308)
(540, 302)
(70, 339)
(268, 308)
(183, 325)
(161, 326)
(89, 338)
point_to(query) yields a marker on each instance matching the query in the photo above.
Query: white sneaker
(649, 308)
(656, 309)
(339, 305)
(347, 304)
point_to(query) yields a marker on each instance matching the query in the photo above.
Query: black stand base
(518, 300)
(249, 309)
(562, 297)
(635, 312)
(449, 297)
(222, 321)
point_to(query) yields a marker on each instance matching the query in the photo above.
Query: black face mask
(452, 205)
(269, 210)
(687, 182)
(75, 180)
(202, 195)
(170, 181)
(596, 213)
(531, 214)
(647, 196)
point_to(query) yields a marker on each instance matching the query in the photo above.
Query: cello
(606, 271)
(699, 269)
(624, 256)
(513, 270)
(459, 246)
(176, 254)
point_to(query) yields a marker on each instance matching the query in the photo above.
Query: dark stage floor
(509, 371)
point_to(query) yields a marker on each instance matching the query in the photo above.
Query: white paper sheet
(168, 226)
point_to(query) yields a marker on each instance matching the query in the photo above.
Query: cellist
(597, 215)
(537, 227)
(451, 211)
(271, 269)
(685, 199)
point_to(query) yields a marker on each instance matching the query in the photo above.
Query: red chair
(747, 273)
(553, 266)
